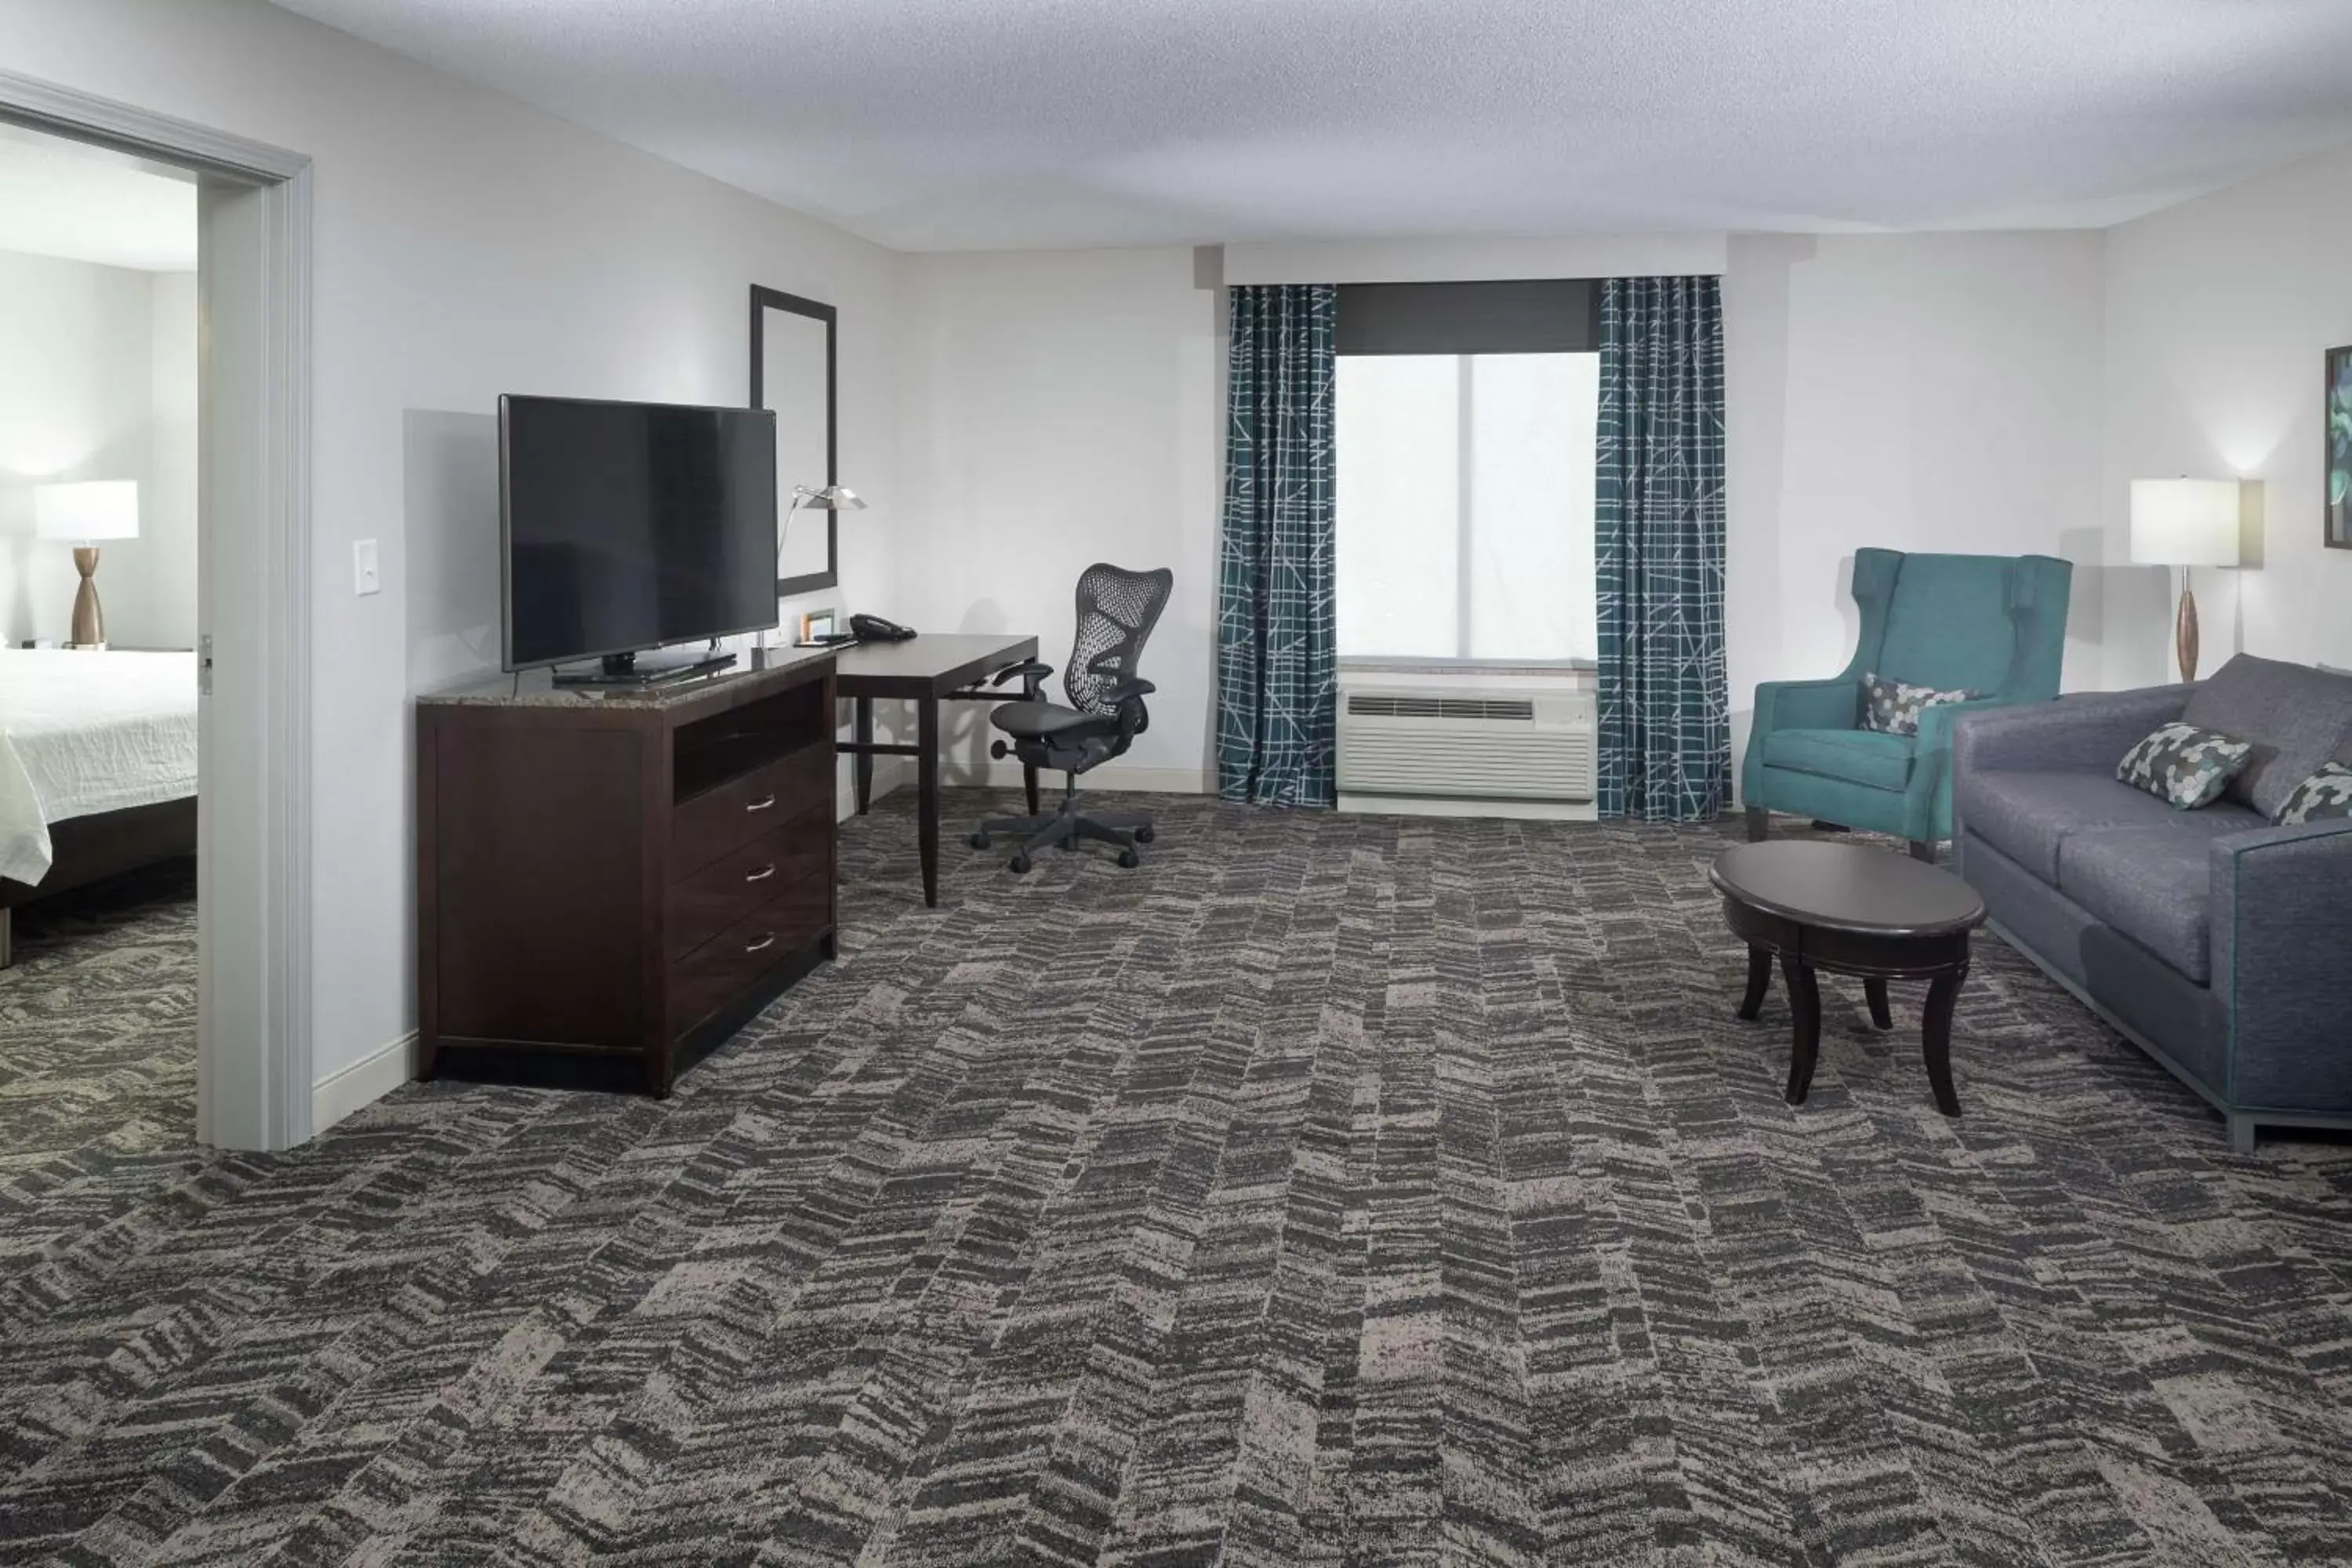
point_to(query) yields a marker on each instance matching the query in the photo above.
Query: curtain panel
(1658, 548)
(1276, 634)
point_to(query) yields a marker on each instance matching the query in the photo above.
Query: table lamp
(83, 514)
(2186, 523)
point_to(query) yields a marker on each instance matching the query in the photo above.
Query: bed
(98, 768)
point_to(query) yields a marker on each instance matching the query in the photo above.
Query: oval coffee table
(1851, 910)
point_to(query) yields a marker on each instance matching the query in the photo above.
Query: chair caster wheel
(1129, 858)
(1020, 864)
(1144, 834)
(978, 840)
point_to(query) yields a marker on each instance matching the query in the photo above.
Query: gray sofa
(2218, 943)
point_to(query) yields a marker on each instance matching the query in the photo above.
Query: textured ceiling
(952, 125)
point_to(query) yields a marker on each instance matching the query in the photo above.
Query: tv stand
(625, 876)
(623, 670)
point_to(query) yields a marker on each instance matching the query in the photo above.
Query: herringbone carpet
(1333, 1190)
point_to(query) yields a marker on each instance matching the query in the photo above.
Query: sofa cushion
(1858, 756)
(1892, 708)
(2297, 717)
(2027, 817)
(2185, 765)
(2324, 795)
(2153, 884)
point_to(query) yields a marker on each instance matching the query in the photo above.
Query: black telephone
(874, 628)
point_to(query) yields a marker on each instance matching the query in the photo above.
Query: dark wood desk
(933, 667)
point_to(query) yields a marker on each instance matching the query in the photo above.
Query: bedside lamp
(83, 514)
(2187, 523)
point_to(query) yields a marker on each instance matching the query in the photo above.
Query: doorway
(251, 659)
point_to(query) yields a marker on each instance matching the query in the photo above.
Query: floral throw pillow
(1892, 709)
(2184, 765)
(2325, 794)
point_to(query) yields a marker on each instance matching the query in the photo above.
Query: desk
(925, 670)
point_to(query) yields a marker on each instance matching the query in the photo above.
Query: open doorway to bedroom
(100, 575)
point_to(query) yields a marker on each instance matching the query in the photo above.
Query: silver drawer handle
(761, 805)
(764, 942)
(761, 875)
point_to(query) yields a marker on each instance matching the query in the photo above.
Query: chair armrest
(1831, 704)
(2282, 919)
(1134, 717)
(2088, 732)
(1028, 670)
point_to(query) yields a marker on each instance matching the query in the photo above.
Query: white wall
(2217, 315)
(1931, 391)
(1915, 392)
(90, 357)
(1063, 408)
(167, 524)
(465, 246)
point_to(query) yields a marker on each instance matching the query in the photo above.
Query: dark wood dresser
(629, 874)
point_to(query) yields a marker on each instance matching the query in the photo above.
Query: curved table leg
(1805, 1002)
(1936, 1037)
(1759, 982)
(1876, 989)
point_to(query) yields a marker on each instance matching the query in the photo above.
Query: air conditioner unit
(1467, 743)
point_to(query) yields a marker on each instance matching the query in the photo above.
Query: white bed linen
(82, 733)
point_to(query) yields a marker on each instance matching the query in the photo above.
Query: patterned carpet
(1333, 1190)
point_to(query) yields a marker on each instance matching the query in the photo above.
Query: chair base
(1067, 827)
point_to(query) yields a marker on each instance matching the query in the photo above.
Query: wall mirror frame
(794, 362)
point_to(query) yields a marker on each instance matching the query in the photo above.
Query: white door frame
(253, 1060)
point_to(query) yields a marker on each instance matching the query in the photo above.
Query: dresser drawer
(733, 885)
(729, 817)
(722, 969)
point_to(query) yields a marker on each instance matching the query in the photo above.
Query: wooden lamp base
(88, 620)
(2184, 631)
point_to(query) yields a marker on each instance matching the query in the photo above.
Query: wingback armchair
(1994, 625)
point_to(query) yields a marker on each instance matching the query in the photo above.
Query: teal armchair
(1990, 624)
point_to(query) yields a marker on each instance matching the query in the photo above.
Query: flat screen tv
(629, 525)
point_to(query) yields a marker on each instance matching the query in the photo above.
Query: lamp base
(2184, 632)
(88, 620)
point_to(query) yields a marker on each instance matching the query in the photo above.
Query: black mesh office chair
(1117, 610)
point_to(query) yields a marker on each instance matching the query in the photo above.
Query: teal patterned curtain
(1276, 640)
(1666, 706)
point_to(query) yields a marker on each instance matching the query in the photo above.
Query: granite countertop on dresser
(537, 688)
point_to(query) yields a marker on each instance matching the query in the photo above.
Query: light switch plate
(366, 578)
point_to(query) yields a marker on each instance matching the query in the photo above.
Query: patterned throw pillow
(2325, 794)
(2184, 765)
(1893, 709)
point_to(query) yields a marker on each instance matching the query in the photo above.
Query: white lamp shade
(100, 508)
(2184, 522)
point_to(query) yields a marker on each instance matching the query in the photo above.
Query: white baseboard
(1007, 775)
(1110, 775)
(1424, 805)
(889, 773)
(362, 1083)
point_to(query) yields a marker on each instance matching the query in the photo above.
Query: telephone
(874, 628)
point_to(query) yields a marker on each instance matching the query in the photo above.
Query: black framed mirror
(793, 366)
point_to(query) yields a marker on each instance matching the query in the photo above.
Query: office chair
(1117, 610)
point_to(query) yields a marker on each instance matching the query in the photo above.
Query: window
(1464, 505)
